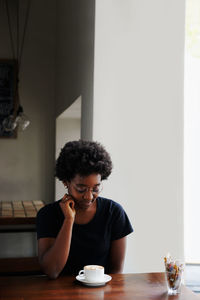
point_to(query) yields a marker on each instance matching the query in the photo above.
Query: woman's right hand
(67, 205)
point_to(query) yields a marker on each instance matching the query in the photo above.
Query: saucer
(88, 283)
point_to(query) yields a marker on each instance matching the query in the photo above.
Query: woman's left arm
(117, 255)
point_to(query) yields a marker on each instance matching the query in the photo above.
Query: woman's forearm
(55, 258)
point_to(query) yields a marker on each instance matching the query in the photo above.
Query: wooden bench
(19, 216)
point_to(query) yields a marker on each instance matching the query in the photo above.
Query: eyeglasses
(95, 190)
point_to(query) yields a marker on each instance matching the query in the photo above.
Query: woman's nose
(88, 195)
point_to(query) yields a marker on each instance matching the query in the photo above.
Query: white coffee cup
(92, 273)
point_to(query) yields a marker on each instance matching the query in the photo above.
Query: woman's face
(84, 190)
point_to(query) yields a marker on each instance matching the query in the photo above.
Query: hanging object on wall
(12, 117)
(8, 99)
(20, 122)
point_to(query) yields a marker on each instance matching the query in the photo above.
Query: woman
(82, 228)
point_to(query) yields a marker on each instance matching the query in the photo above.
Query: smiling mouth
(85, 203)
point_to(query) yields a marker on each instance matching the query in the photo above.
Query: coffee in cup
(92, 273)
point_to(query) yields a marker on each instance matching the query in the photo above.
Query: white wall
(138, 116)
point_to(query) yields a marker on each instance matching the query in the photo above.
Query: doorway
(68, 128)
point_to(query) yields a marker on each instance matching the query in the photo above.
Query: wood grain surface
(149, 286)
(19, 265)
(19, 212)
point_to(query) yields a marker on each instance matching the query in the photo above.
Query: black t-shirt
(90, 242)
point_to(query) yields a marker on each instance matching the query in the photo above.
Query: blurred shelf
(19, 215)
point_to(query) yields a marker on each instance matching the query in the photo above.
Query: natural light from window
(192, 132)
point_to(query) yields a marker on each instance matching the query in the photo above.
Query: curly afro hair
(83, 158)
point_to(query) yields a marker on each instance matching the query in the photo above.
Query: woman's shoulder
(109, 204)
(115, 215)
(48, 220)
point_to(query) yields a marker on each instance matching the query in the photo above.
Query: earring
(66, 187)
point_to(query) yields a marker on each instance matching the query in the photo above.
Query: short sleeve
(45, 223)
(121, 225)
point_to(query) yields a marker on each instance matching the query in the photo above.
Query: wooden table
(149, 286)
